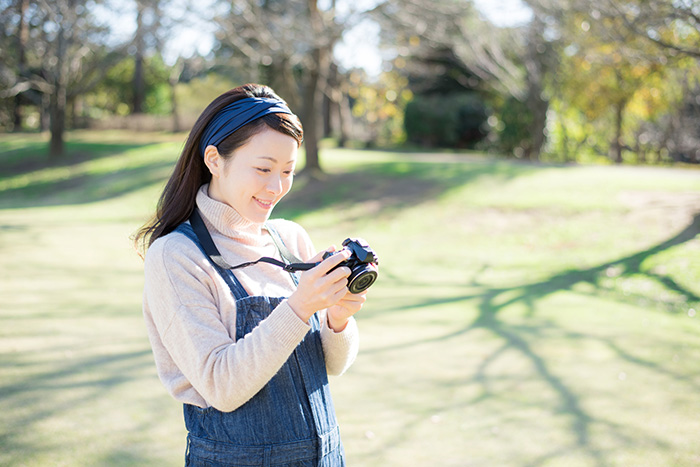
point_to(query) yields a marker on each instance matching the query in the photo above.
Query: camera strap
(200, 229)
(284, 251)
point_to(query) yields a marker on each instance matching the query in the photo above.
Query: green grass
(525, 315)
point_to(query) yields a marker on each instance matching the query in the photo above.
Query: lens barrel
(361, 278)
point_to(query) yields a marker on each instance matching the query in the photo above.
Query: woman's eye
(262, 170)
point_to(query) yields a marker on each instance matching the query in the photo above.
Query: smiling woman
(248, 354)
(259, 175)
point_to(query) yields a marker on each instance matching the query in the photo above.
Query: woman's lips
(263, 204)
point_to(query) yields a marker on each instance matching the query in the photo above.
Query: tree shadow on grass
(385, 188)
(381, 188)
(31, 157)
(84, 188)
(29, 179)
(60, 394)
(492, 300)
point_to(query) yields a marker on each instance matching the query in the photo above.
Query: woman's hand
(319, 289)
(340, 313)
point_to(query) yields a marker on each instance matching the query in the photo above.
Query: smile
(263, 204)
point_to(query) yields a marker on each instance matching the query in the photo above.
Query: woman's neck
(226, 220)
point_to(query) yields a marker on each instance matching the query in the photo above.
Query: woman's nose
(274, 184)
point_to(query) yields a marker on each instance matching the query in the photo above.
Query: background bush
(450, 120)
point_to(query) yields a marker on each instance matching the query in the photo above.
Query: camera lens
(361, 278)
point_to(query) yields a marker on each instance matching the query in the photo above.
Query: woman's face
(256, 176)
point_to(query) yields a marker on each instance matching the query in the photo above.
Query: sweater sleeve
(339, 348)
(181, 302)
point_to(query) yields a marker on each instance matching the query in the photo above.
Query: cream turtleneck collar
(227, 221)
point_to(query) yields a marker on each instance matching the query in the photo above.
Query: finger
(332, 261)
(342, 292)
(335, 288)
(332, 295)
(319, 256)
(351, 304)
(355, 298)
(340, 274)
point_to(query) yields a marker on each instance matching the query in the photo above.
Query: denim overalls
(290, 422)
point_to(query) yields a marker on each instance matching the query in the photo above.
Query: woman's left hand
(340, 313)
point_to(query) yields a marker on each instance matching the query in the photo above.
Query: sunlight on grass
(524, 315)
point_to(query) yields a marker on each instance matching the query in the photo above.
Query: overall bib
(290, 422)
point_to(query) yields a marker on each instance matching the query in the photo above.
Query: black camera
(362, 263)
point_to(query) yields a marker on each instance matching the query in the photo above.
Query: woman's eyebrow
(270, 158)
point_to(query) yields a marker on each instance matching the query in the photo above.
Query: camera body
(362, 262)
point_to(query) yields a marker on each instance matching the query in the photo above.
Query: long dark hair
(177, 201)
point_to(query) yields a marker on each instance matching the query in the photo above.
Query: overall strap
(287, 256)
(205, 240)
(207, 245)
(236, 288)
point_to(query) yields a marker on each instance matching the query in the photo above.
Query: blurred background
(538, 80)
(526, 170)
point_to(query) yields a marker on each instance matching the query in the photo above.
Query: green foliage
(157, 99)
(511, 123)
(197, 93)
(379, 107)
(115, 92)
(620, 89)
(452, 120)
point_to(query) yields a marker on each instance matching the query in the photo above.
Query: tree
(613, 75)
(509, 62)
(22, 37)
(150, 26)
(670, 25)
(290, 45)
(379, 107)
(21, 80)
(65, 56)
(183, 69)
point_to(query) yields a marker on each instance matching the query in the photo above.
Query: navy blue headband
(237, 114)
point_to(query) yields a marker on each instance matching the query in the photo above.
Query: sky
(359, 47)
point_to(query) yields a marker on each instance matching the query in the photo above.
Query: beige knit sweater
(190, 312)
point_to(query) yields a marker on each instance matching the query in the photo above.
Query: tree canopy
(612, 80)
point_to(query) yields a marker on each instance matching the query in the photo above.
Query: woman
(247, 353)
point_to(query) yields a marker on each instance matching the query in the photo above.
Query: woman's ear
(213, 160)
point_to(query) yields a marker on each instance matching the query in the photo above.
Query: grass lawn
(525, 315)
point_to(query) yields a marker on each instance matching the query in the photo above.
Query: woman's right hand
(319, 289)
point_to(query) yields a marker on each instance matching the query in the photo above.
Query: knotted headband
(236, 115)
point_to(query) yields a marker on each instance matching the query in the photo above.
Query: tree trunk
(44, 112)
(22, 37)
(17, 113)
(57, 103)
(57, 110)
(344, 119)
(326, 112)
(535, 66)
(174, 105)
(619, 113)
(329, 105)
(313, 97)
(538, 107)
(312, 105)
(138, 83)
